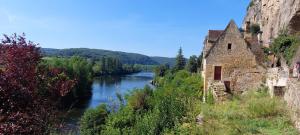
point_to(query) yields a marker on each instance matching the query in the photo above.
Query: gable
(230, 34)
(230, 46)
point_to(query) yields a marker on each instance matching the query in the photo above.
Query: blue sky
(151, 27)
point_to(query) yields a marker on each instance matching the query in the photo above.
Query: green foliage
(210, 97)
(138, 100)
(180, 61)
(253, 113)
(199, 62)
(157, 111)
(250, 4)
(173, 106)
(192, 65)
(112, 66)
(286, 46)
(161, 70)
(93, 120)
(97, 54)
(254, 29)
(76, 68)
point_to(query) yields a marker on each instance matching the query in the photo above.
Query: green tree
(199, 62)
(286, 46)
(180, 60)
(161, 70)
(254, 29)
(192, 65)
(93, 120)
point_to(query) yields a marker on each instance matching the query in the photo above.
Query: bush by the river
(76, 68)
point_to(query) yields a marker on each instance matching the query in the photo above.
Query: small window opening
(229, 46)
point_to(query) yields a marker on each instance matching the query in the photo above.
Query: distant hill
(164, 60)
(126, 58)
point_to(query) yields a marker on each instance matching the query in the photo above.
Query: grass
(252, 113)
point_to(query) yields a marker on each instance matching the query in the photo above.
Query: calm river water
(104, 90)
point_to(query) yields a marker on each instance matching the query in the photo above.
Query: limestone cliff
(273, 16)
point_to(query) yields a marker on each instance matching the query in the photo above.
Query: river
(104, 90)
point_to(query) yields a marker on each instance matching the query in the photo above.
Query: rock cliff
(273, 16)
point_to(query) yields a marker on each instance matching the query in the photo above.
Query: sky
(150, 27)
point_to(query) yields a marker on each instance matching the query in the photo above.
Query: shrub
(286, 46)
(254, 29)
(76, 68)
(138, 99)
(92, 121)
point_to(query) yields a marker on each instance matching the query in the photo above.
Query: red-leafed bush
(23, 109)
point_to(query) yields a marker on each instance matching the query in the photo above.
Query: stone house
(231, 61)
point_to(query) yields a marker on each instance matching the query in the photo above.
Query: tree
(199, 62)
(192, 65)
(92, 120)
(254, 29)
(161, 70)
(180, 60)
(23, 110)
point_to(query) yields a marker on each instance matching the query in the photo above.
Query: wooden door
(218, 73)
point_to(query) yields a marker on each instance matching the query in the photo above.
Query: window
(229, 46)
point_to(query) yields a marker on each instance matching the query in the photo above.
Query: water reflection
(104, 90)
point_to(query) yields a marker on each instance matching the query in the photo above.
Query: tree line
(113, 66)
(193, 64)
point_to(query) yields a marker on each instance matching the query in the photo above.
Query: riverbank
(103, 91)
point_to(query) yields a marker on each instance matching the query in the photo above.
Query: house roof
(213, 35)
(231, 25)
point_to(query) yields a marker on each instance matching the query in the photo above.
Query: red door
(218, 73)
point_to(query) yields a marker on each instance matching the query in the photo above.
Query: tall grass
(252, 113)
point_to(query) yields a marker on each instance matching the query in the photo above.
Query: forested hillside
(96, 54)
(164, 60)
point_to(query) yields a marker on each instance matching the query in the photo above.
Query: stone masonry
(228, 59)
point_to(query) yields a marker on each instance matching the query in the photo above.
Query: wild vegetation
(177, 101)
(113, 66)
(254, 29)
(97, 54)
(180, 60)
(172, 108)
(285, 46)
(76, 68)
(28, 93)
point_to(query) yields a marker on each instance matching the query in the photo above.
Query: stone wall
(292, 98)
(239, 65)
(247, 79)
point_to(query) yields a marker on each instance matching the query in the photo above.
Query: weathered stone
(273, 16)
(199, 119)
(237, 58)
(292, 98)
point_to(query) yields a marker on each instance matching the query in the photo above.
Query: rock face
(273, 16)
(292, 97)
